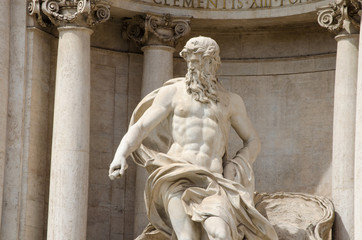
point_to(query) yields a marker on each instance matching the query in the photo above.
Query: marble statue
(179, 133)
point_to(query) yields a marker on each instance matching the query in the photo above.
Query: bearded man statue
(179, 133)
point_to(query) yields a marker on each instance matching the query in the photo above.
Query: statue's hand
(117, 168)
(230, 171)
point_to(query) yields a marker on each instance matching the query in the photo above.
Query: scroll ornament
(63, 12)
(165, 28)
(333, 15)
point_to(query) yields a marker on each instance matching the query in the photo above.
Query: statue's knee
(217, 229)
(221, 233)
(186, 236)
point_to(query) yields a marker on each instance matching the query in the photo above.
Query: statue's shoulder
(226, 96)
(174, 82)
(173, 85)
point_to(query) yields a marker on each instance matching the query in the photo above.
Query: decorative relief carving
(65, 12)
(135, 28)
(333, 16)
(156, 29)
(297, 216)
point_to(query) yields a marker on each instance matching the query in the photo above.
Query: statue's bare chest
(192, 108)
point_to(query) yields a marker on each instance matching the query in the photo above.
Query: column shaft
(358, 150)
(14, 188)
(344, 134)
(4, 89)
(68, 196)
(157, 68)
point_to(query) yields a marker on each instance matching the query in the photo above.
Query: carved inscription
(226, 4)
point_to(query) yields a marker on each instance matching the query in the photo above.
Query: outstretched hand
(117, 168)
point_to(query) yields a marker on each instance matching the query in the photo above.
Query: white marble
(179, 134)
(4, 83)
(68, 196)
(358, 150)
(297, 216)
(153, 77)
(272, 14)
(157, 67)
(13, 204)
(344, 134)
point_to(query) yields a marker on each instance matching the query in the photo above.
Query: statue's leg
(182, 224)
(217, 229)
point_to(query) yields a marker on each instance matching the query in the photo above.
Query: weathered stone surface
(297, 216)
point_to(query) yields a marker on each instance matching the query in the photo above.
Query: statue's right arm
(160, 109)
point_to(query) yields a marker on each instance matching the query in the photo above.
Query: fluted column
(340, 19)
(158, 35)
(68, 194)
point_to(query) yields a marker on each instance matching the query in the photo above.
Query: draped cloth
(203, 193)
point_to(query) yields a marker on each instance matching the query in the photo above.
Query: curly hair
(209, 48)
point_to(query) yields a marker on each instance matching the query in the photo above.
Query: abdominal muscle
(198, 141)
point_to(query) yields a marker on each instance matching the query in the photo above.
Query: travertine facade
(276, 57)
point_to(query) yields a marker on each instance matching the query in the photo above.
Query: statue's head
(203, 61)
(207, 49)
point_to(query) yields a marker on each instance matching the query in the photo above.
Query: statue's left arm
(243, 127)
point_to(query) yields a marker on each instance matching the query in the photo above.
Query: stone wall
(115, 91)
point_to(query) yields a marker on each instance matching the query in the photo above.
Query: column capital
(340, 16)
(152, 29)
(61, 13)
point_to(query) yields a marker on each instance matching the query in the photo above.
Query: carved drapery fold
(157, 29)
(333, 16)
(85, 13)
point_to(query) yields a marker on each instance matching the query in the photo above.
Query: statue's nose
(194, 58)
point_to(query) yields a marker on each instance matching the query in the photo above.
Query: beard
(201, 86)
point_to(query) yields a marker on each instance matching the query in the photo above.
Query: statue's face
(202, 54)
(195, 61)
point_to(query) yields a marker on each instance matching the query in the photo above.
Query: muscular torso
(197, 131)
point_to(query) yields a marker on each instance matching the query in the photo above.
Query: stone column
(68, 194)
(358, 149)
(344, 113)
(157, 67)
(158, 35)
(4, 84)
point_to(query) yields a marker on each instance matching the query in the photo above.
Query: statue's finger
(122, 170)
(115, 174)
